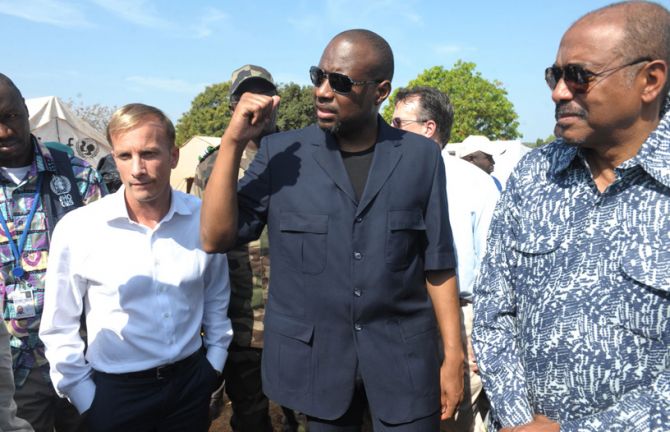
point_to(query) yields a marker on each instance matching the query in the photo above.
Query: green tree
(296, 109)
(481, 107)
(540, 142)
(210, 114)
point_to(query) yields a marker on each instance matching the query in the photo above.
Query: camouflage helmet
(248, 72)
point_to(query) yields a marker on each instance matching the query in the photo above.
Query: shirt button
(358, 327)
(358, 256)
(357, 292)
(166, 315)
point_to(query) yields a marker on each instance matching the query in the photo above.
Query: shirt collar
(118, 209)
(653, 156)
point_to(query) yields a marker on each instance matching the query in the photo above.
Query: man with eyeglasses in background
(472, 196)
(360, 243)
(571, 318)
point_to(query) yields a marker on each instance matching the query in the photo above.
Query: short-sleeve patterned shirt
(572, 306)
(15, 204)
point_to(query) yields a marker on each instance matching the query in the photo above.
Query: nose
(324, 91)
(5, 131)
(138, 168)
(561, 92)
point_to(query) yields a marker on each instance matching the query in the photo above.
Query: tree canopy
(210, 114)
(481, 107)
(97, 115)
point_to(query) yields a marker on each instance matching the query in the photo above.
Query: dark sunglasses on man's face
(578, 78)
(340, 83)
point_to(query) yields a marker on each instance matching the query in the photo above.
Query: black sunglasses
(340, 83)
(578, 78)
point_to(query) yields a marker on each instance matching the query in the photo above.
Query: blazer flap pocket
(406, 220)
(303, 222)
(648, 265)
(289, 327)
(415, 326)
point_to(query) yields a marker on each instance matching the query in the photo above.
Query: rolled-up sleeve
(439, 252)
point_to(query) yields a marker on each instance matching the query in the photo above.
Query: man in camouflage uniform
(249, 274)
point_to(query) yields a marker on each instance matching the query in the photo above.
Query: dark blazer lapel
(387, 154)
(327, 155)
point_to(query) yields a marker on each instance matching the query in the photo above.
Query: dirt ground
(222, 424)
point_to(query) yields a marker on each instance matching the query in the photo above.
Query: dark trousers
(244, 389)
(177, 401)
(352, 420)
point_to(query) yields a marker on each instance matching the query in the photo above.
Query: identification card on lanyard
(21, 300)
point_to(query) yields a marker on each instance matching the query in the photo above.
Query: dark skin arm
(218, 217)
(443, 292)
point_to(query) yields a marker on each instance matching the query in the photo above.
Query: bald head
(646, 29)
(8, 84)
(381, 63)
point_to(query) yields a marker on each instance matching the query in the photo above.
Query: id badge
(21, 302)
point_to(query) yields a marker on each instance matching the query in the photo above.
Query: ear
(383, 92)
(174, 156)
(430, 128)
(654, 75)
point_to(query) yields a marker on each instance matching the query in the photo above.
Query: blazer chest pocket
(405, 230)
(304, 241)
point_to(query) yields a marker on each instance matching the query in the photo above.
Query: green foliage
(540, 142)
(481, 107)
(210, 114)
(296, 109)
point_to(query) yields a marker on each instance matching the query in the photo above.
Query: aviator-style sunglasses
(578, 78)
(340, 83)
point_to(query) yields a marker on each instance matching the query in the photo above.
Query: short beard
(334, 129)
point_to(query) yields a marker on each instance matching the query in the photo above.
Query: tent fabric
(510, 152)
(189, 158)
(52, 120)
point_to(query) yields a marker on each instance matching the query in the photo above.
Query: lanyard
(17, 250)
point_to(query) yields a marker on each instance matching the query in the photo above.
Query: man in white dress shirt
(134, 265)
(472, 196)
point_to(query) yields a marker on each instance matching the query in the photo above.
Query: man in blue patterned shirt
(572, 311)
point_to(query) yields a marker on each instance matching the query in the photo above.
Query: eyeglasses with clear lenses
(397, 122)
(578, 78)
(340, 83)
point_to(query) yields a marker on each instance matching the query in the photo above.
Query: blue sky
(165, 52)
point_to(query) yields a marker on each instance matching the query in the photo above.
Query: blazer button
(357, 292)
(358, 256)
(359, 219)
(358, 327)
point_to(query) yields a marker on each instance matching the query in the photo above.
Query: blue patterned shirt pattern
(15, 204)
(572, 306)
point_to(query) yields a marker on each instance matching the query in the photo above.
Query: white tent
(189, 158)
(52, 120)
(509, 154)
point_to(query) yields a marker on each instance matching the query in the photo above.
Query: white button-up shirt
(472, 196)
(147, 293)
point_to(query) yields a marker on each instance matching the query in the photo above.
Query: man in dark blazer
(358, 226)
